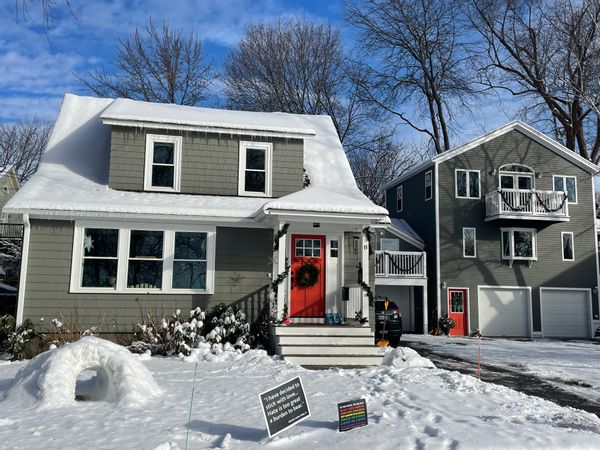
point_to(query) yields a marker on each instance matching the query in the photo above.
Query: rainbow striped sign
(352, 414)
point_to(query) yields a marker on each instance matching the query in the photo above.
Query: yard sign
(284, 406)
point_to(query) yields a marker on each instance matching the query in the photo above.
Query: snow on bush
(49, 380)
(229, 326)
(404, 358)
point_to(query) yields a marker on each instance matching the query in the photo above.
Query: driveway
(564, 372)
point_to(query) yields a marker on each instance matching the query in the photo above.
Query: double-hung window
(467, 183)
(566, 184)
(255, 169)
(568, 247)
(428, 187)
(519, 244)
(469, 243)
(163, 163)
(143, 258)
(399, 198)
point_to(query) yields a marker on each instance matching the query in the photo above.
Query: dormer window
(163, 163)
(255, 169)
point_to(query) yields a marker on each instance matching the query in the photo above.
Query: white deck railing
(400, 264)
(527, 203)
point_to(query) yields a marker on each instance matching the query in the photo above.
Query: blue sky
(39, 67)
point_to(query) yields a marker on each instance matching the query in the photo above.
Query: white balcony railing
(400, 264)
(526, 204)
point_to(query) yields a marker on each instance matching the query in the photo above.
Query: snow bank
(49, 380)
(404, 358)
(224, 352)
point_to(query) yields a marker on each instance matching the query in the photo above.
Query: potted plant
(446, 324)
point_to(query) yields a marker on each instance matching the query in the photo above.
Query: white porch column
(425, 311)
(365, 276)
(279, 267)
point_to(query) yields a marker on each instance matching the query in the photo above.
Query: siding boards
(210, 162)
(488, 268)
(420, 215)
(241, 277)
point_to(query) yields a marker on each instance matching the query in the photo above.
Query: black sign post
(352, 414)
(284, 406)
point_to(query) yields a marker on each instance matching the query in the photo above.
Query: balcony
(526, 204)
(400, 264)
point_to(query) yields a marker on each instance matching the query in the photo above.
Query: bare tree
(294, 66)
(155, 65)
(547, 53)
(415, 65)
(22, 144)
(47, 7)
(380, 162)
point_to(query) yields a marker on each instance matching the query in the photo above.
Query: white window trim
(564, 178)
(268, 147)
(430, 185)
(474, 242)
(562, 245)
(123, 257)
(400, 195)
(468, 196)
(512, 256)
(150, 140)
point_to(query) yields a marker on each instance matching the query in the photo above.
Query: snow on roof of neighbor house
(73, 176)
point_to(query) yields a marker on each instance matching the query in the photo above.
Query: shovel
(383, 342)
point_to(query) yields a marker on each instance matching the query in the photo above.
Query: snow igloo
(110, 373)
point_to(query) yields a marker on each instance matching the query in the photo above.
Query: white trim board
(23, 272)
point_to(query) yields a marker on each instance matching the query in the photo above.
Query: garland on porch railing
(399, 269)
(365, 286)
(547, 208)
(368, 234)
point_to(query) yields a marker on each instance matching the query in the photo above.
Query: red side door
(310, 301)
(457, 311)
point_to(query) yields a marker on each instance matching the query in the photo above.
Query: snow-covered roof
(403, 227)
(72, 179)
(134, 112)
(5, 169)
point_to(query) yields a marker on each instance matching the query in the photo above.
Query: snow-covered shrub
(62, 330)
(16, 341)
(169, 336)
(228, 324)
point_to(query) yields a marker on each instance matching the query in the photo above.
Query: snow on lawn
(410, 406)
(575, 362)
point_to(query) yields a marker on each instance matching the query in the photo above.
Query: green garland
(281, 278)
(369, 234)
(282, 232)
(365, 286)
(307, 275)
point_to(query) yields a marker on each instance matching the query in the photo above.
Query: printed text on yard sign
(352, 414)
(284, 406)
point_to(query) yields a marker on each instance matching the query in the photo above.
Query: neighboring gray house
(9, 185)
(508, 223)
(146, 208)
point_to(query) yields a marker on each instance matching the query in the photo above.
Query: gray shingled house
(508, 225)
(141, 207)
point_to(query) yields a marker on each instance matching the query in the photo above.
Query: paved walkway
(511, 376)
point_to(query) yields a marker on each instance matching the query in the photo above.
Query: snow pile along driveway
(49, 380)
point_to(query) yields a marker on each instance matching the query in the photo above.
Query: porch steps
(328, 346)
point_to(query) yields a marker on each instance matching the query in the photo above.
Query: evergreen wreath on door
(307, 275)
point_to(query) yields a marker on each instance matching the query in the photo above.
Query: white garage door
(503, 311)
(565, 313)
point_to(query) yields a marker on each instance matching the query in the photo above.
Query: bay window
(519, 244)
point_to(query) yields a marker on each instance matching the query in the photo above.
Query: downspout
(23, 273)
(437, 244)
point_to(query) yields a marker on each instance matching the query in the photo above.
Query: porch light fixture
(316, 225)
(539, 175)
(444, 285)
(492, 172)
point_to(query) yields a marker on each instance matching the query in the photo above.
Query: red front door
(457, 307)
(308, 301)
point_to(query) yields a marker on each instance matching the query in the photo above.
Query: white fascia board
(209, 129)
(401, 234)
(409, 174)
(528, 131)
(312, 216)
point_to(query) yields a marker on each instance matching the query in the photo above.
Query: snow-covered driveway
(409, 407)
(572, 367)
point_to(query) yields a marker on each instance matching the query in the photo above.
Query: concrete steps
(329, 346)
